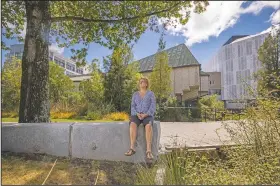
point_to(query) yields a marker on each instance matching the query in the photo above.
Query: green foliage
(93, 88)
(269, 55)
(106, 23)
(160, 76)
(11, 82)
(121, 78)
(60, 84)
(211, 106)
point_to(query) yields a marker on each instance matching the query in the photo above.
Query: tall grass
(255, 159)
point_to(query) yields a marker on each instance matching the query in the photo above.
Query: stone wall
(98, 141)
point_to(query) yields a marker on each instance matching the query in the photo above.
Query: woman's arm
(152, 108)
(133, 106)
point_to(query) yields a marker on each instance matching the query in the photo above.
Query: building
(188, 82)
(214, 83)
(77, 79)
(237, 60)
(70, 67)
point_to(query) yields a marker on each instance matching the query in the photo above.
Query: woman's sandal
(149, 155)
(130, 152)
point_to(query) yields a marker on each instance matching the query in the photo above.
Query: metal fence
(195, 114)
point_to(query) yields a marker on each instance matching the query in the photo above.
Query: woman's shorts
(145, 121)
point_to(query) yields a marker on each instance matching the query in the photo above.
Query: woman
(143, 107)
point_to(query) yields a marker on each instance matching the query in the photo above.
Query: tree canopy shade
(71, 22)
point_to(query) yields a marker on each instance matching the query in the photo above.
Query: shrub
(9, 114)
(63, 115)
(93, 115)
(117, 116)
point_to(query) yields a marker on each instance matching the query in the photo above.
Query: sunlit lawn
(58, 120)
(23, 169)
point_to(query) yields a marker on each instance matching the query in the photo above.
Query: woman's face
(142, 83)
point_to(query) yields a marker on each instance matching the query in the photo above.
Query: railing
(195, 114)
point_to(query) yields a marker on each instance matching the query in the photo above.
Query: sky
(204, 33)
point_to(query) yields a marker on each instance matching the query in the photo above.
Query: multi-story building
(69, 66)
(188, 82)
(237, 60)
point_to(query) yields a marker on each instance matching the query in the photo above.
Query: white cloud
(219, 16)
(275, 17)
(55, 48)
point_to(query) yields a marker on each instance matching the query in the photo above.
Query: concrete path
(193, 134)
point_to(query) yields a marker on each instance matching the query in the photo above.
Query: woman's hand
(144, 115)
(139, 116)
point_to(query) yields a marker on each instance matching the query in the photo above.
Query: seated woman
(143, 107)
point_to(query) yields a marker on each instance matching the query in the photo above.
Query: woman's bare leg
(133, 134)
(149, 135)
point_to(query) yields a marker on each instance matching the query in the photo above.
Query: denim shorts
(145, 121)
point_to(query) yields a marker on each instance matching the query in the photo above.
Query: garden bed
(26, 169)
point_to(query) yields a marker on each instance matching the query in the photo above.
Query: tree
(269, 55)
(121, 77)
(60, 84)
(73, 22)
(93, 88)
(11, 76)
(160, 76)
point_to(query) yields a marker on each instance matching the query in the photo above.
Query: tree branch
(87, 20)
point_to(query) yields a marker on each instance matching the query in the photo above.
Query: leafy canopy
(108, 23)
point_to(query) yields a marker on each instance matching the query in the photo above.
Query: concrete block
(109, 141)
(49, 138)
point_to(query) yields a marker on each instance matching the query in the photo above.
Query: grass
(58, 120)
(27, 169)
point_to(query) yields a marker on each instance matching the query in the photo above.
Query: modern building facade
(69, 66)
(237, 60)
(185, 74)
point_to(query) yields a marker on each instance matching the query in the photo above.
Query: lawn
(58, 120)
(26, 169)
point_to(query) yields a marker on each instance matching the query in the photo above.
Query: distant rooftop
(233, 38)
(178, 56)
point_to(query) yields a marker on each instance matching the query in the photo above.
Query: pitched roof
(204, 73)
(233, 38)
(178, 56)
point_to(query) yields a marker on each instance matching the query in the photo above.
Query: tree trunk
(34, 95)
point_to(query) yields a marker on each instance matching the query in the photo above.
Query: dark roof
(233, 38)
(204, 73)
(178, 56)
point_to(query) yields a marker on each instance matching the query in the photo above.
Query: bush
(93, 115)
(63, 115)
(9, 114)
(117, 116)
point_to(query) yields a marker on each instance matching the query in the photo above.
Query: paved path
(193, 134)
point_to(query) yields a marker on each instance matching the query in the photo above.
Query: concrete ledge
(46, 138)
(99, 141)
(109, 141)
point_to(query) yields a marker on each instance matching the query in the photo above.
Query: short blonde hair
(146, 80)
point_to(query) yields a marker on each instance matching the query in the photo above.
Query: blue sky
(205, 33)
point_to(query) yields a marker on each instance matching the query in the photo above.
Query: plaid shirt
(146, 105)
